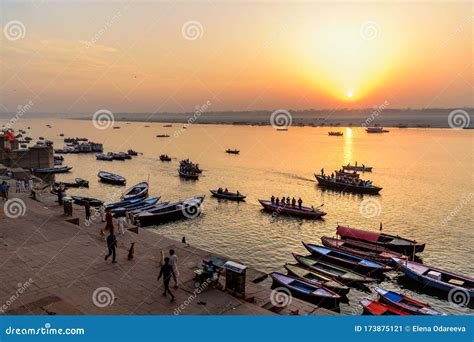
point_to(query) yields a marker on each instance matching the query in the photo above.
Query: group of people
(4, 188)
(348, 180)
(286, 201)
(189, 167)
(225, 191)
(24, 185)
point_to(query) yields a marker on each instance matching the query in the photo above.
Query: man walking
(174, 267)
(165, 272)
(111, 245)
(87, 207)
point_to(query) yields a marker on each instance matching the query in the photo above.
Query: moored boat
(373, 307)
(405, 303)
(339, 273)
(123, 203)
(392, 242)
(362, 249)
(231, 196)
(318, 279)
(53, 170)
(288, 209)
(111, 178)
(106, 157)
(335, 184)
(139, 190)
(78, 183)
(142, 203)
(304, 289)
(439, 279)
(93, 202)
(347, 260)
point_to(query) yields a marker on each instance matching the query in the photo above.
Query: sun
(349, 94)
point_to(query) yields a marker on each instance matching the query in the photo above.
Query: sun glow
(349, 94)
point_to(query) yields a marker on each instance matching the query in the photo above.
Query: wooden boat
(53, 170)
(317, 279)
(232, 151)
(347, 260)
(437, 278)
(360, 168)
(111, 178)
(168, 125)
(148, 208)
(116, 156)
(301, 288)
(162, 136)
(93, 202)
(337, 134)
(332, 183)
(347, 174)
(231, 196)
(78, 183)
(288, 209)
(392, 242)
(188, 175)
(187, 209)
(165, 157)
(362, 249)
(106, 157)
(142, 203)
(338, 273)
(132, 153)
(373, 307)
(376, 130)
(123, 203)
(407, 304)
(139, 190)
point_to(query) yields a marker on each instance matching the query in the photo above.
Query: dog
(131, 251)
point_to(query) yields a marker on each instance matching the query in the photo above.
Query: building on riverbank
(37, 156)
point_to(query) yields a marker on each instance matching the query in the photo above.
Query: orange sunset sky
(148, 56)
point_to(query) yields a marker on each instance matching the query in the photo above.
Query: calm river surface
(426, 175)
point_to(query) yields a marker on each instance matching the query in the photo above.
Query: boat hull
(289, 210)
(369, 190)
(228, 196)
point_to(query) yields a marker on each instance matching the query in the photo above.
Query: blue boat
(348, 260)
(136, 205)
(123, 203)
(451, 283)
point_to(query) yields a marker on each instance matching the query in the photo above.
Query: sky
(76, 57)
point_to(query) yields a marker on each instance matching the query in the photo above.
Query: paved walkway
(51, 266)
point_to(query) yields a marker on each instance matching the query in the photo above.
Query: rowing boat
(348, 260)
(304, 289)
(78, 183)
(362, 168)
(405, 303)
(111, 178)
(135, 206)
(317, 279)
(139, 190)
(394, 243)
(332, 183)
(341, 274)
(53, 170)
(373, 307)
(164, 157)
(232, 196)
(449, 282)
(188, 175)
(123, 203)
(362, 249)
(288, 209)
(93, 202)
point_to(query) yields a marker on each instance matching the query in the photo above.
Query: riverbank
(53, 266)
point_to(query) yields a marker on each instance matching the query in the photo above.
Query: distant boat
(332, 183)
(232, 151)
(132, 153)
(376, 130)
(168, 125)
(111, 178)
(295, 211)
(337, 134)
(53, 170)
(373, 307)
(162, 136)
(106, 157)
(188, 175)
(405, 303)
(165, 157)
(232, 196)
(139, 190)
(392, 242)
(361, 168)
(282, 129)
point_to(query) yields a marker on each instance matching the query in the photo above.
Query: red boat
(372, 307)
(362, 249)
(392, 242)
